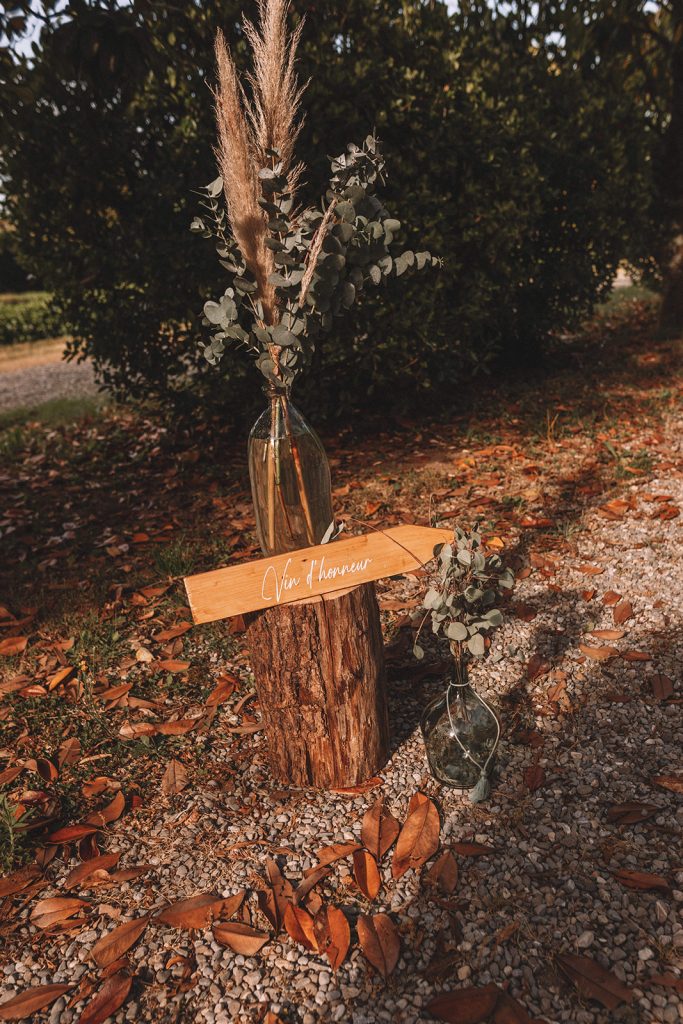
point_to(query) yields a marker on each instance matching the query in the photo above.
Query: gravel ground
(28, 386)
(547, 889)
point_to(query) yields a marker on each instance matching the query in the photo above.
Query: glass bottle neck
(273, 391)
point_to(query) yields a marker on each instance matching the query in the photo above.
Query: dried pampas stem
(314, 252)
(275, 90)
(239, 170)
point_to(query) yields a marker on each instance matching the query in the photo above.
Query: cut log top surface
(310, 572)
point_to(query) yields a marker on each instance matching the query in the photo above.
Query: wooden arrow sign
(310, 572)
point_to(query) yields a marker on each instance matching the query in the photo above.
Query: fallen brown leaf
(52, 911)
(472, 849)
(444, 872)
(333, 935)
(362, 787)
(640, 879)
(378, 830)
(110, 997)
(82, 871)
(672, 782)
(593, 981)
(117, 942)
(534, 777)
(667, 980)
(419, 837)
(598, 653)
(30, 1001)
(608, 634)
(662, 686)
(631, 813)
(196, 912)
(366, 873)
(379, 941)
(241, 938)
(13, 645)
(109, 813)
(18, 880)
(175, 778)
(622, 612)
(329, 854)
(471, 1005)
(537, 667)
(300, 927)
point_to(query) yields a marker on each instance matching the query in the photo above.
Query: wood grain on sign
(310, 572)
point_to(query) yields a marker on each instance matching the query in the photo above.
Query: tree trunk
(319, 672)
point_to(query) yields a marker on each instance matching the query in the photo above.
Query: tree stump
(319, 672)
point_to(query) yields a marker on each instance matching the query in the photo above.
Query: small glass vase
(290, 477)
(461, 733)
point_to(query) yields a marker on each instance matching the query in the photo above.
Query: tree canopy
(523, 149)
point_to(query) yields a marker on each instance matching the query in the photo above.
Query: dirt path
(36, 373)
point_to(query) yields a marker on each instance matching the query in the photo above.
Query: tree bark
(319, 672)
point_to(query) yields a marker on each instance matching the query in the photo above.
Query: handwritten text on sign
(310, 572)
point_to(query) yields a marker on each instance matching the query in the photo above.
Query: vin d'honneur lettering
(274, 587)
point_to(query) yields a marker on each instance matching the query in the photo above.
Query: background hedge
(527, 170)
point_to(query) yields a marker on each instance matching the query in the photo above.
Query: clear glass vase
(290, 477)
(461, 733)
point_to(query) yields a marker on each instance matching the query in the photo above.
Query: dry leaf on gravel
(109, 813)
(631, 813)
(470, 1005)
(30, 1001)
(444, 873)
(472, 849)
(241, 938)
(667, 980)
(640, 880)
(419, 837)
(115, 943)
(197, 911)
(378, 830)
(366, 874)
(71, 834)
(594, 981)
(54, 910)
(110, 997)
(13, 645)
(537, 667)
(82, 871)
(329, 854)
(18, 880)
(662, 686)
(300, 927)
(361, 788)
(534, 777)
(333, 935)
(175, 778)
(622, 612)
(672, 782)
(598, 653)
(379, 941)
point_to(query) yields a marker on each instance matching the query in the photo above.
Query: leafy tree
(526, 171)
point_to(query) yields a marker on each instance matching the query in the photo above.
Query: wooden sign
(310, 572)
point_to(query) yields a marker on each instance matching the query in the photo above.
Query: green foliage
(13, 277)
(461, 601)
(325, 257)
(525, 169)
(27, 316)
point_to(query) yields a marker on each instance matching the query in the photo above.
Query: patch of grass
(54, 413)
(176, 559)
(98, 642)
(13, 847)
